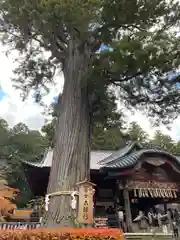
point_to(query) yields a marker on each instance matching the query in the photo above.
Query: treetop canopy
(142, 34)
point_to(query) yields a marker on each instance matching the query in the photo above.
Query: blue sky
(172, 75)
(104, 48)
(2, 93)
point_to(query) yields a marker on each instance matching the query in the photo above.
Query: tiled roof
(95, 157)
(125, 157)
(131, 159)
(119, 153)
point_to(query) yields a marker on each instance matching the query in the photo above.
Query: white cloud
(14, 110)
(11, 106)
(144, 122)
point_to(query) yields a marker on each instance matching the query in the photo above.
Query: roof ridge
(95, 156)
(122, 152)
(130, 160)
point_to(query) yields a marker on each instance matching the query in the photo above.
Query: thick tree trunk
(71, 153)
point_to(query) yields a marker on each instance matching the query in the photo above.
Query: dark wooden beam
(127, 208)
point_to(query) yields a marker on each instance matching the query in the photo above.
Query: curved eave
(31, 164)
(44, 163)
(120, 153)
(132, 159)
(95, 157)
(37, 177)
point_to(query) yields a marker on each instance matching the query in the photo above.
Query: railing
(19, 225)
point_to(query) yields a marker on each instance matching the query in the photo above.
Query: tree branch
(60, 45)
(52, 47)
(116, 80)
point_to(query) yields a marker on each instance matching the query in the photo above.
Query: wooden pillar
(127, 207)
(165, 207)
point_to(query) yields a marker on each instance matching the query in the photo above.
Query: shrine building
(135, 177)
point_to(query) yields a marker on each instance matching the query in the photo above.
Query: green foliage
(145, 43)
(107, 139)
(114, 135)
(16, 145)
(144, 40)
(164, 141)
(136, 133)
(3, 133)
(49, 129)
(177, 148)
(105, 136)
(107, 124)
(37, 204)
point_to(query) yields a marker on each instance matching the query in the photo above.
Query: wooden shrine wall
(157, 170)
(155, 177)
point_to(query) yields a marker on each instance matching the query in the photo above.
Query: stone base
(148, 236)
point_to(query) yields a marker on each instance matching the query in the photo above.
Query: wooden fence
(19, 225)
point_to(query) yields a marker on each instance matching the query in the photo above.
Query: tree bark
(71, 152)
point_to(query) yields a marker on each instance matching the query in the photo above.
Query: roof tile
(131, 159)
(95, 157)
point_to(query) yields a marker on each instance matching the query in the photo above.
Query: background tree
(3, 133)
(49, 130)
(177, 148)
(136, 133)
(144, 49)
(164, 142)
(107, 125)
(16, 145)
(30, 143)
(107, 139)
(102, 138)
